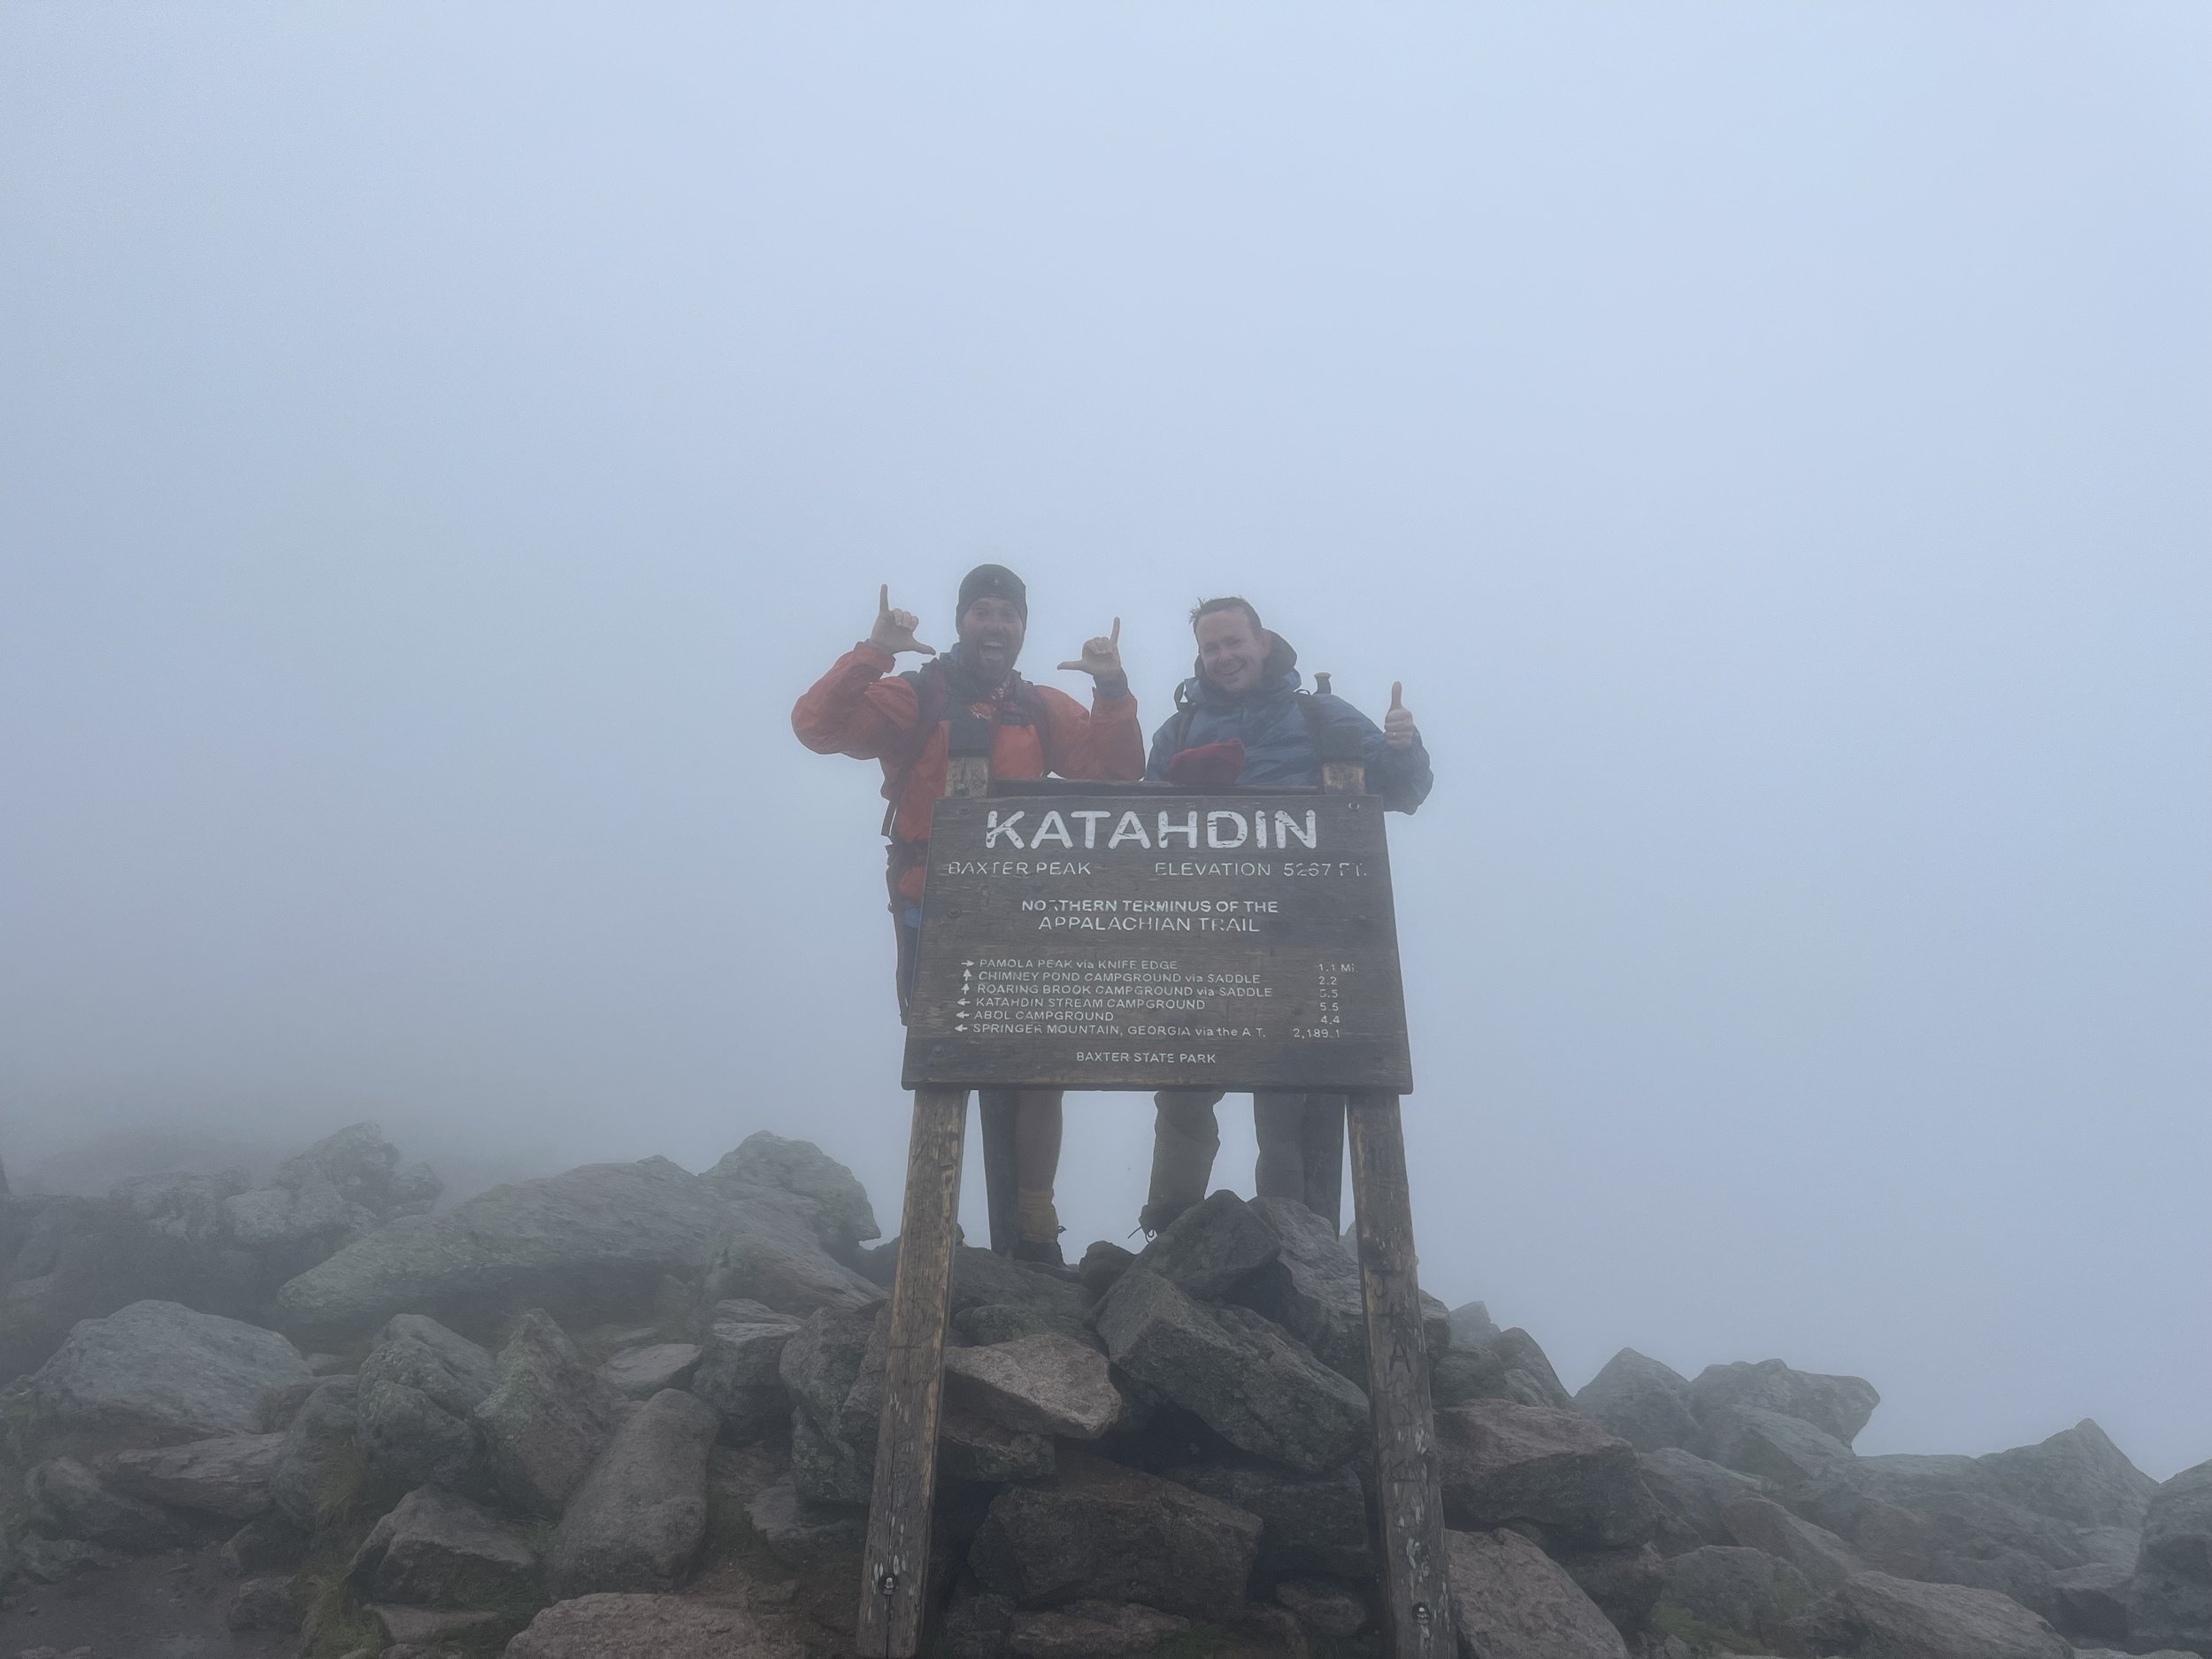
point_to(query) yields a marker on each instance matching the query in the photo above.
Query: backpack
(971, 732)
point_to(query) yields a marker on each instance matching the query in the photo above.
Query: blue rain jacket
(1278, 745)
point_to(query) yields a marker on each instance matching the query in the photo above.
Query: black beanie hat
(991, 582)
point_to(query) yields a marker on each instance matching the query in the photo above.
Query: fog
(437, 446)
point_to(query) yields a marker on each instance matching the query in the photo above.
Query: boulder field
(634, 1409)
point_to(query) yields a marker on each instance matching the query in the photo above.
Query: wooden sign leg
(1409, 1480)
(894, 1564)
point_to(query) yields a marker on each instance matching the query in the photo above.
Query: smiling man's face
(1231, 652)
(991, 634)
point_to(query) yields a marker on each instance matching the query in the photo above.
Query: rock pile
(629, 1409)
(213, 1242)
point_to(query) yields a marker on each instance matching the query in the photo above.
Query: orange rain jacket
(860, 708)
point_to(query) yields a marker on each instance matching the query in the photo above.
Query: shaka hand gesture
(895, 629)
(1101, 656)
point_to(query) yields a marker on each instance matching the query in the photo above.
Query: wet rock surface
(1091, 1630)
(1309, 1523)
(232, 1476)
(651, 1627)
(1251, 1382)
(546, 1418)
(71, 1502)
(2171, 1599)
(1504, 1463)
(1692, 1496)
(1895, 1618)
(1772, 1446)
(416, 1400)
(1047, 1384)
(1644, 1403)
(438, 1549)
(637, 1521)
(1311, 1288)
(1211, 1246)
(1515, 1603)
(577, 1245)
(1825, 1560)
(156, 1374)
(1625, 1581)
(1503, 1365)
(2078, 1475)
(1100, 1532)
(739, 1371)
(1837, 1406)
(639, 1373)
(823, 1191)
(1746, 1597)
(314, 1462)
(769, 1256)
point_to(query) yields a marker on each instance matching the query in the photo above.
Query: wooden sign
(1163, 940)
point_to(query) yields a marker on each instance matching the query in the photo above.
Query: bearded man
(907, 722)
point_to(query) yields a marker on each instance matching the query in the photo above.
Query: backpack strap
(1178, 728)
(1332, 743)
(1032, 700)
(1317, 719)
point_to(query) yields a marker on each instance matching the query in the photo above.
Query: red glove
(1210, 763)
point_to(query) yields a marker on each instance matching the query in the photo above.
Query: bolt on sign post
(1110, 938)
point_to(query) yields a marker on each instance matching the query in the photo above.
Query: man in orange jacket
(862, 709)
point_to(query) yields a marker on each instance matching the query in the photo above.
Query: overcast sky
(1770, 443)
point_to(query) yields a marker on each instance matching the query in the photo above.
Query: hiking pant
(1037, 1118)
(1186, 1136)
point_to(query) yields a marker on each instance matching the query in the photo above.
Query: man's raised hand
(1398, 729)
(895, 629)
(1101, 656)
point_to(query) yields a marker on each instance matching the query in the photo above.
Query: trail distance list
(1159, 941)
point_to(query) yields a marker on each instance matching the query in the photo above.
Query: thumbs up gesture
(1398, 728)
(1101, 656)
(895, 629)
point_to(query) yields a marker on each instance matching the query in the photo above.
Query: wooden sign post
(1104, 937)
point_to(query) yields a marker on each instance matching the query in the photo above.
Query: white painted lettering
(1130, 829)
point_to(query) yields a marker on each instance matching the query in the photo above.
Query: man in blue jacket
(1244, 718)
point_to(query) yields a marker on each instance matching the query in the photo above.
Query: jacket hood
(1279, 677)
